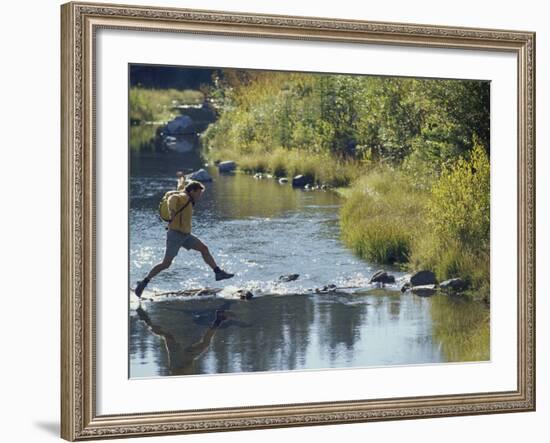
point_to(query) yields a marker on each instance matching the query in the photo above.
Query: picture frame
(80, 23)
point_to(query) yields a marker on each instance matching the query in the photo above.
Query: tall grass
(155, 105)
(382, 215)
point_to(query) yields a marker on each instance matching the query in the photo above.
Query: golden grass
(382, 214)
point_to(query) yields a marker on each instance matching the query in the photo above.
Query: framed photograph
(275, 221)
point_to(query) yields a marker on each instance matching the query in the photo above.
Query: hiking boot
(141, 286)
(222, 275)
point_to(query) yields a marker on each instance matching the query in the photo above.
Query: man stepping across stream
(180, 206)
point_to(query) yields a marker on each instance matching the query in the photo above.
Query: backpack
(164, 212)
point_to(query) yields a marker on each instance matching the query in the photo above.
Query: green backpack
(164, 212)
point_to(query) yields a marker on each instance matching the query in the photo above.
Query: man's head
(194, 189)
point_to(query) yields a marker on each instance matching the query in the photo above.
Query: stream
(260, 230)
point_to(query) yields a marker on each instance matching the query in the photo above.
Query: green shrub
(459, 208)
(455, 241)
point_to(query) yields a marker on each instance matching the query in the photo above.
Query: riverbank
(388, 218)
(318, 168)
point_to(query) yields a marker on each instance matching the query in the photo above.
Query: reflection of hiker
(180, 206)
(181, 360)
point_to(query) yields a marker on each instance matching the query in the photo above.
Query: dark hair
(193, 186)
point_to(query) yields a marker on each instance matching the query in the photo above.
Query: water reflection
(280, 333)
(181, 355)
(463, 328)
(142, 137)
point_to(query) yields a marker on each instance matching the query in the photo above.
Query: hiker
(180, 206)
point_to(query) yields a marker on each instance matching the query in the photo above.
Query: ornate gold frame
(79, 22)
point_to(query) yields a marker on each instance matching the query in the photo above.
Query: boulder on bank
(201, 175)
(300, 181)
(227, 166)
(454, 285)
(422, 278)
(182, 124)
(382, 277)
(424, 290)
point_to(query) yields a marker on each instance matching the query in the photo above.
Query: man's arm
(175, 202)
(181, 181)
(172, 206)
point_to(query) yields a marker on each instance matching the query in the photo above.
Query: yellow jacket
(182, 221)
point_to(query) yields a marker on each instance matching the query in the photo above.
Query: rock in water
(424, 291)
(454, 284)
(300, 181)
(182, 124)
(201, 175)
(382, 277)
(244, 294)
(283, 180)
(227, 166)
(422, 278)
(289, 277)
(325, 289)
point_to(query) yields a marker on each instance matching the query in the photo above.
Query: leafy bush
(460, 205)
(456, 238)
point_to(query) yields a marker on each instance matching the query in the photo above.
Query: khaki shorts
(176, 239)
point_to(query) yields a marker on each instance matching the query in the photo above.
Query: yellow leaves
(459, 208)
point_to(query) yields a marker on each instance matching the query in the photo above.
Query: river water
(260, 230)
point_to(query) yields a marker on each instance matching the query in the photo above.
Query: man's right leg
(197, 245)
(159, 267)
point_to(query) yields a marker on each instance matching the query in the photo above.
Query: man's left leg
(197, 245)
